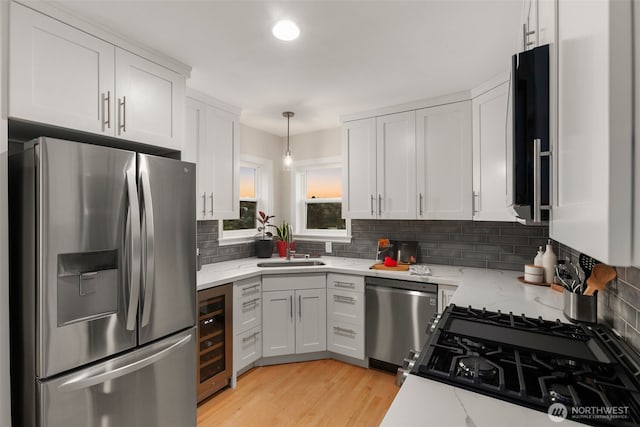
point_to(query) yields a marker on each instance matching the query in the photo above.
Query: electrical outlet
(327, 247)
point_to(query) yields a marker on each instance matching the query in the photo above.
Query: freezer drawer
(154, 386)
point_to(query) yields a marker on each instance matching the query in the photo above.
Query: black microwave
(531, 146)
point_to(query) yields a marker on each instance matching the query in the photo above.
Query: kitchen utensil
(569, 277)
(580, 308)
(601, 275)
(586, 264)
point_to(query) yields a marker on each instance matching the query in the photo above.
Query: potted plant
(264, 245)
(282, 233)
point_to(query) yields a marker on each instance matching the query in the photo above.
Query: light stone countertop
(478, 287)
(423, 402)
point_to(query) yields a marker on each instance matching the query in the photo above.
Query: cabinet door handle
(122, 109)
(107, 122)
(291, 306)
(379, 205)
(204, 204)
(253, 335)
(251, 302)
(373, 212)
(211, 197)
(475, 196)
(342, 298)
(245, 289)
(420, 204)
(343, 330)
(300, 306)
(347, 285)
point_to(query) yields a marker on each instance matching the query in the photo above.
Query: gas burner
(560, 393)
(473, 366)
(534, 362)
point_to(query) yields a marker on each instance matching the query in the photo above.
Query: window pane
(324, 183)
(325, 216)
(248, 212)
(247, 183)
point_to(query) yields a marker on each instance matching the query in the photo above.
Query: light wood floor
(318, 393)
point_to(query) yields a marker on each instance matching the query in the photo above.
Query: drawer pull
(343, 330)
(348, 285)
(250, 337)
(342, 298)
(250, 302)
(245, 289)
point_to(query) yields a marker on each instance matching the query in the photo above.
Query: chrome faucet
(289, 238)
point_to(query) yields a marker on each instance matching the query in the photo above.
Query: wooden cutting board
(399, 267)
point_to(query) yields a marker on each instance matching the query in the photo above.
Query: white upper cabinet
(537, 23)
(490, 166)
(379, 177)
(359, 174)
(59, 75)
(592, 211)
(444, 161)
(212, 141)
(222, 148)
(149, 102)
(396, 166)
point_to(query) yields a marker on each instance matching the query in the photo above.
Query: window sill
(321, 238)
(235, 241)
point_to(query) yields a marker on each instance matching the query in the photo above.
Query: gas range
(573, 371)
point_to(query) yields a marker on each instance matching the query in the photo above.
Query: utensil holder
(580, 308)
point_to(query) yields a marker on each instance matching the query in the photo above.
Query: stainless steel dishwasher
(397, 313)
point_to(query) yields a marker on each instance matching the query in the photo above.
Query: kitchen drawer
(247, 348)
(345, 306)
(291, 282)
(248, 288)
(345, 282)
(247, 306)
(345, 338)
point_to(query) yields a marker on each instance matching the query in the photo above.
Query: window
(318, 205)
(255, 189)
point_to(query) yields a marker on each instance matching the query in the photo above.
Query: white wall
(315, 145)
(5, 397)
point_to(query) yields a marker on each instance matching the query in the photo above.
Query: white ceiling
(351, 56)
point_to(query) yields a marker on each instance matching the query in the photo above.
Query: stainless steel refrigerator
(103, 287)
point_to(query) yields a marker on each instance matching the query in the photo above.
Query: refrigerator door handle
(111, 370)
(148, 277)
(133, 239)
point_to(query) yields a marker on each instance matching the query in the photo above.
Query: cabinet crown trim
(409, 106)
(66, 16)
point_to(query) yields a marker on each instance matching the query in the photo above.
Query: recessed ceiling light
(285, 30)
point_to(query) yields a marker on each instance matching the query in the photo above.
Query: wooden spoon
(601, 275)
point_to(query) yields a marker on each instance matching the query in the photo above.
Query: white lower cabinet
(247, 348)
(294, 314)
(247, 322)
(345, 338)
(345, 315)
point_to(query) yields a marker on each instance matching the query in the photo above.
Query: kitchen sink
(296, 263)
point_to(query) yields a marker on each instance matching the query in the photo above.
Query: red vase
(282, 248)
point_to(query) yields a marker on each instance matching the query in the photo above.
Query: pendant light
(287, 155)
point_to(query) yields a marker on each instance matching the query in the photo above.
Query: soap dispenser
(538, 259)
(549, 261)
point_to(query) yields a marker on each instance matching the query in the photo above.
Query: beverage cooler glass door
(87, 254)
(167, 191)
(150, 387)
